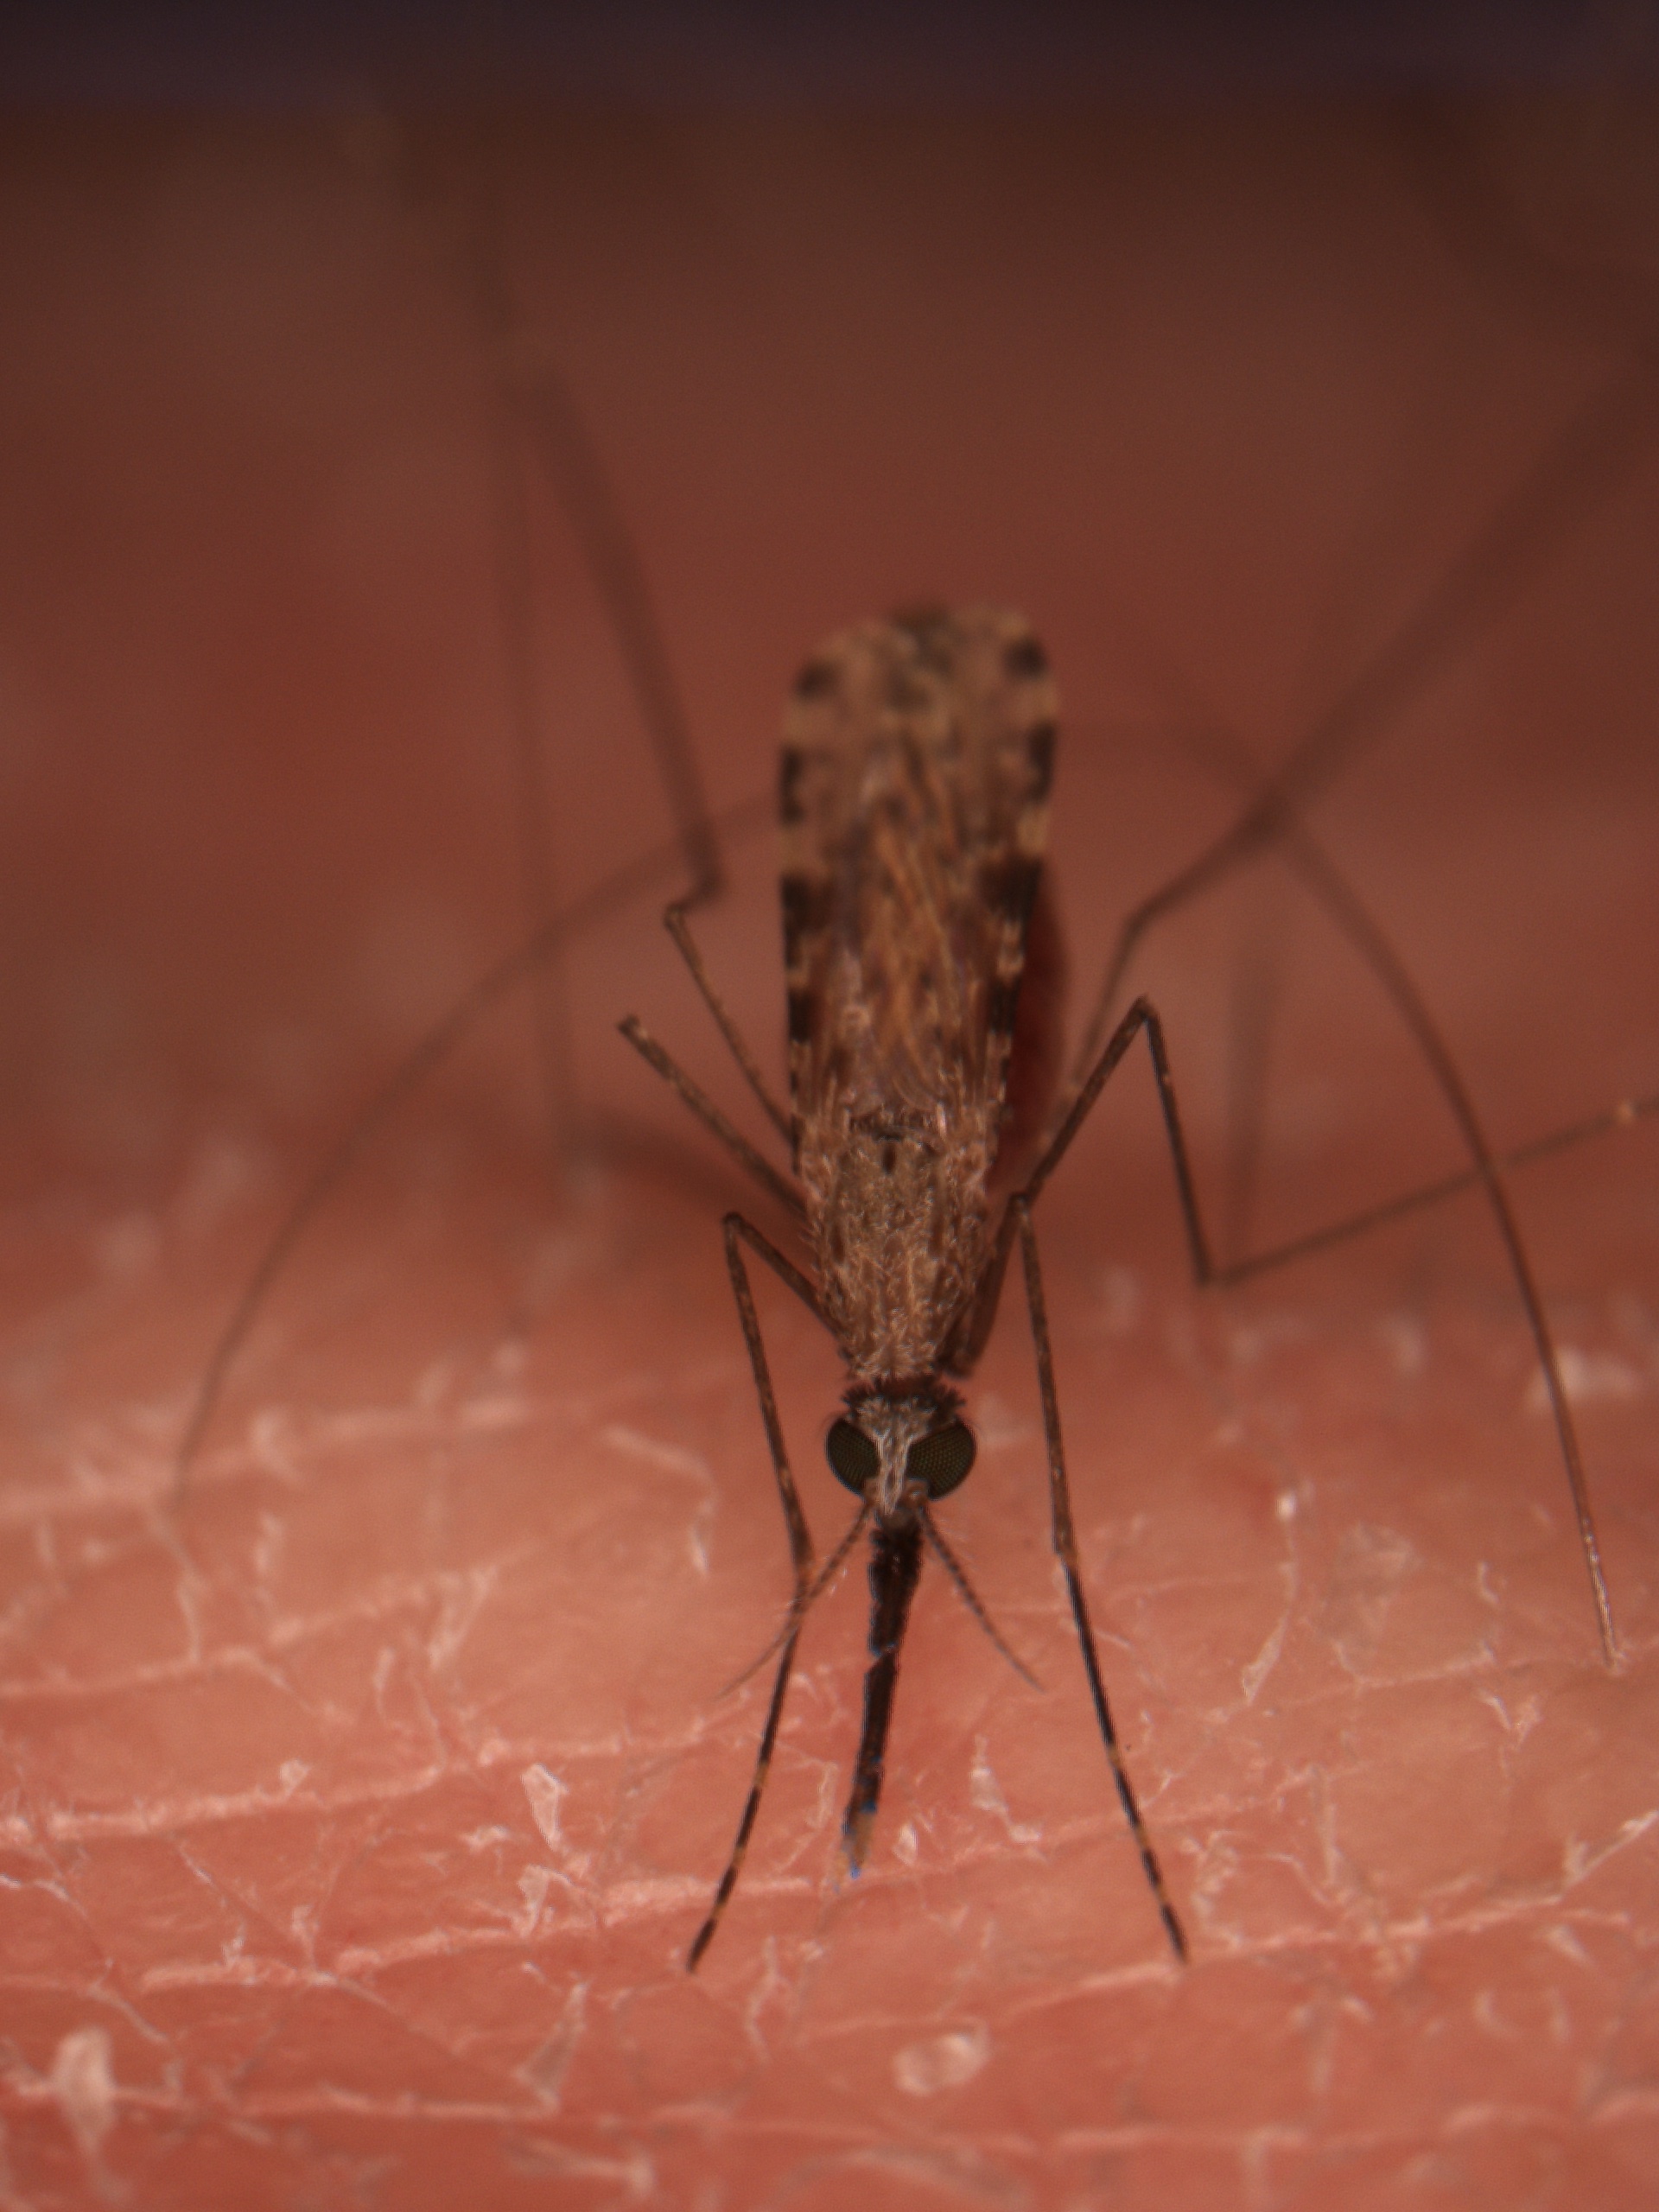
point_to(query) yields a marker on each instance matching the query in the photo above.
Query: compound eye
(852, 1458)
(941, 1461)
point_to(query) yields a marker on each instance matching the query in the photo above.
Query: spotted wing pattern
(916, 767)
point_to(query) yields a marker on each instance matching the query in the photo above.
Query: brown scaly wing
(916, 767)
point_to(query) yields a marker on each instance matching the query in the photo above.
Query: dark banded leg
(1065, 1546)
(705, 1935)
(1307, 858)
(738, 1233)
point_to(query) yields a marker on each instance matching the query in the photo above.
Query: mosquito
(920, 957)
(917, 760)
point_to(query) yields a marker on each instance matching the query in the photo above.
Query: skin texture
(354, 1820)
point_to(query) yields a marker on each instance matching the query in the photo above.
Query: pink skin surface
(354, 1825)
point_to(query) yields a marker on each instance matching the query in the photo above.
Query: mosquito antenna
(426, 1054)
(970, 1597)
(801, 1605)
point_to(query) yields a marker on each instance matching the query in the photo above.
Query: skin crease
(353, 1828)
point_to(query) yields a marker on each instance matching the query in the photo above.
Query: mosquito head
(900, 1447)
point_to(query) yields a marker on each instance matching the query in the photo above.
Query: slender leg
(1624, 1115)
(585, 492)
(531, 401)
(533, 391)
(710, 1116)
(1356, 923)
(705, 1935)
(427, 1053)
(515, 597)
(1569, 478)
(1141, 1015)
(1574, 473)
(1065, 1546)
(1308, 858)
(675, 922)
(1486, 1172)
(739, 1232)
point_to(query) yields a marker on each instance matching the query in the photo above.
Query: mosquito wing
(916, 766)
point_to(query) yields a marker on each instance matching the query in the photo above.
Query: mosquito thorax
(900, 1447)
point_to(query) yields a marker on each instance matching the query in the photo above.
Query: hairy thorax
(897, 1211)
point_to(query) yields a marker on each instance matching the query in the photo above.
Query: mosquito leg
(705, 1935)
(516, 603)
(675, 922)
(1306, 857)
(535, 386)
(788, 1273)
(615, 565)
(1574, 473)
(1340, 901)
(484, 279)
(1143, 1016)
(710, 1116)
(1624, 1115)
(1065, 1547)
(508, 974)
(531, 405)
(1257, 990)
(738, 1232)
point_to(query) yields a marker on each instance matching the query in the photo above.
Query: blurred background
(1234, 344)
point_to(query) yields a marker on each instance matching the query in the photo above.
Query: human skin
(359, 1803)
